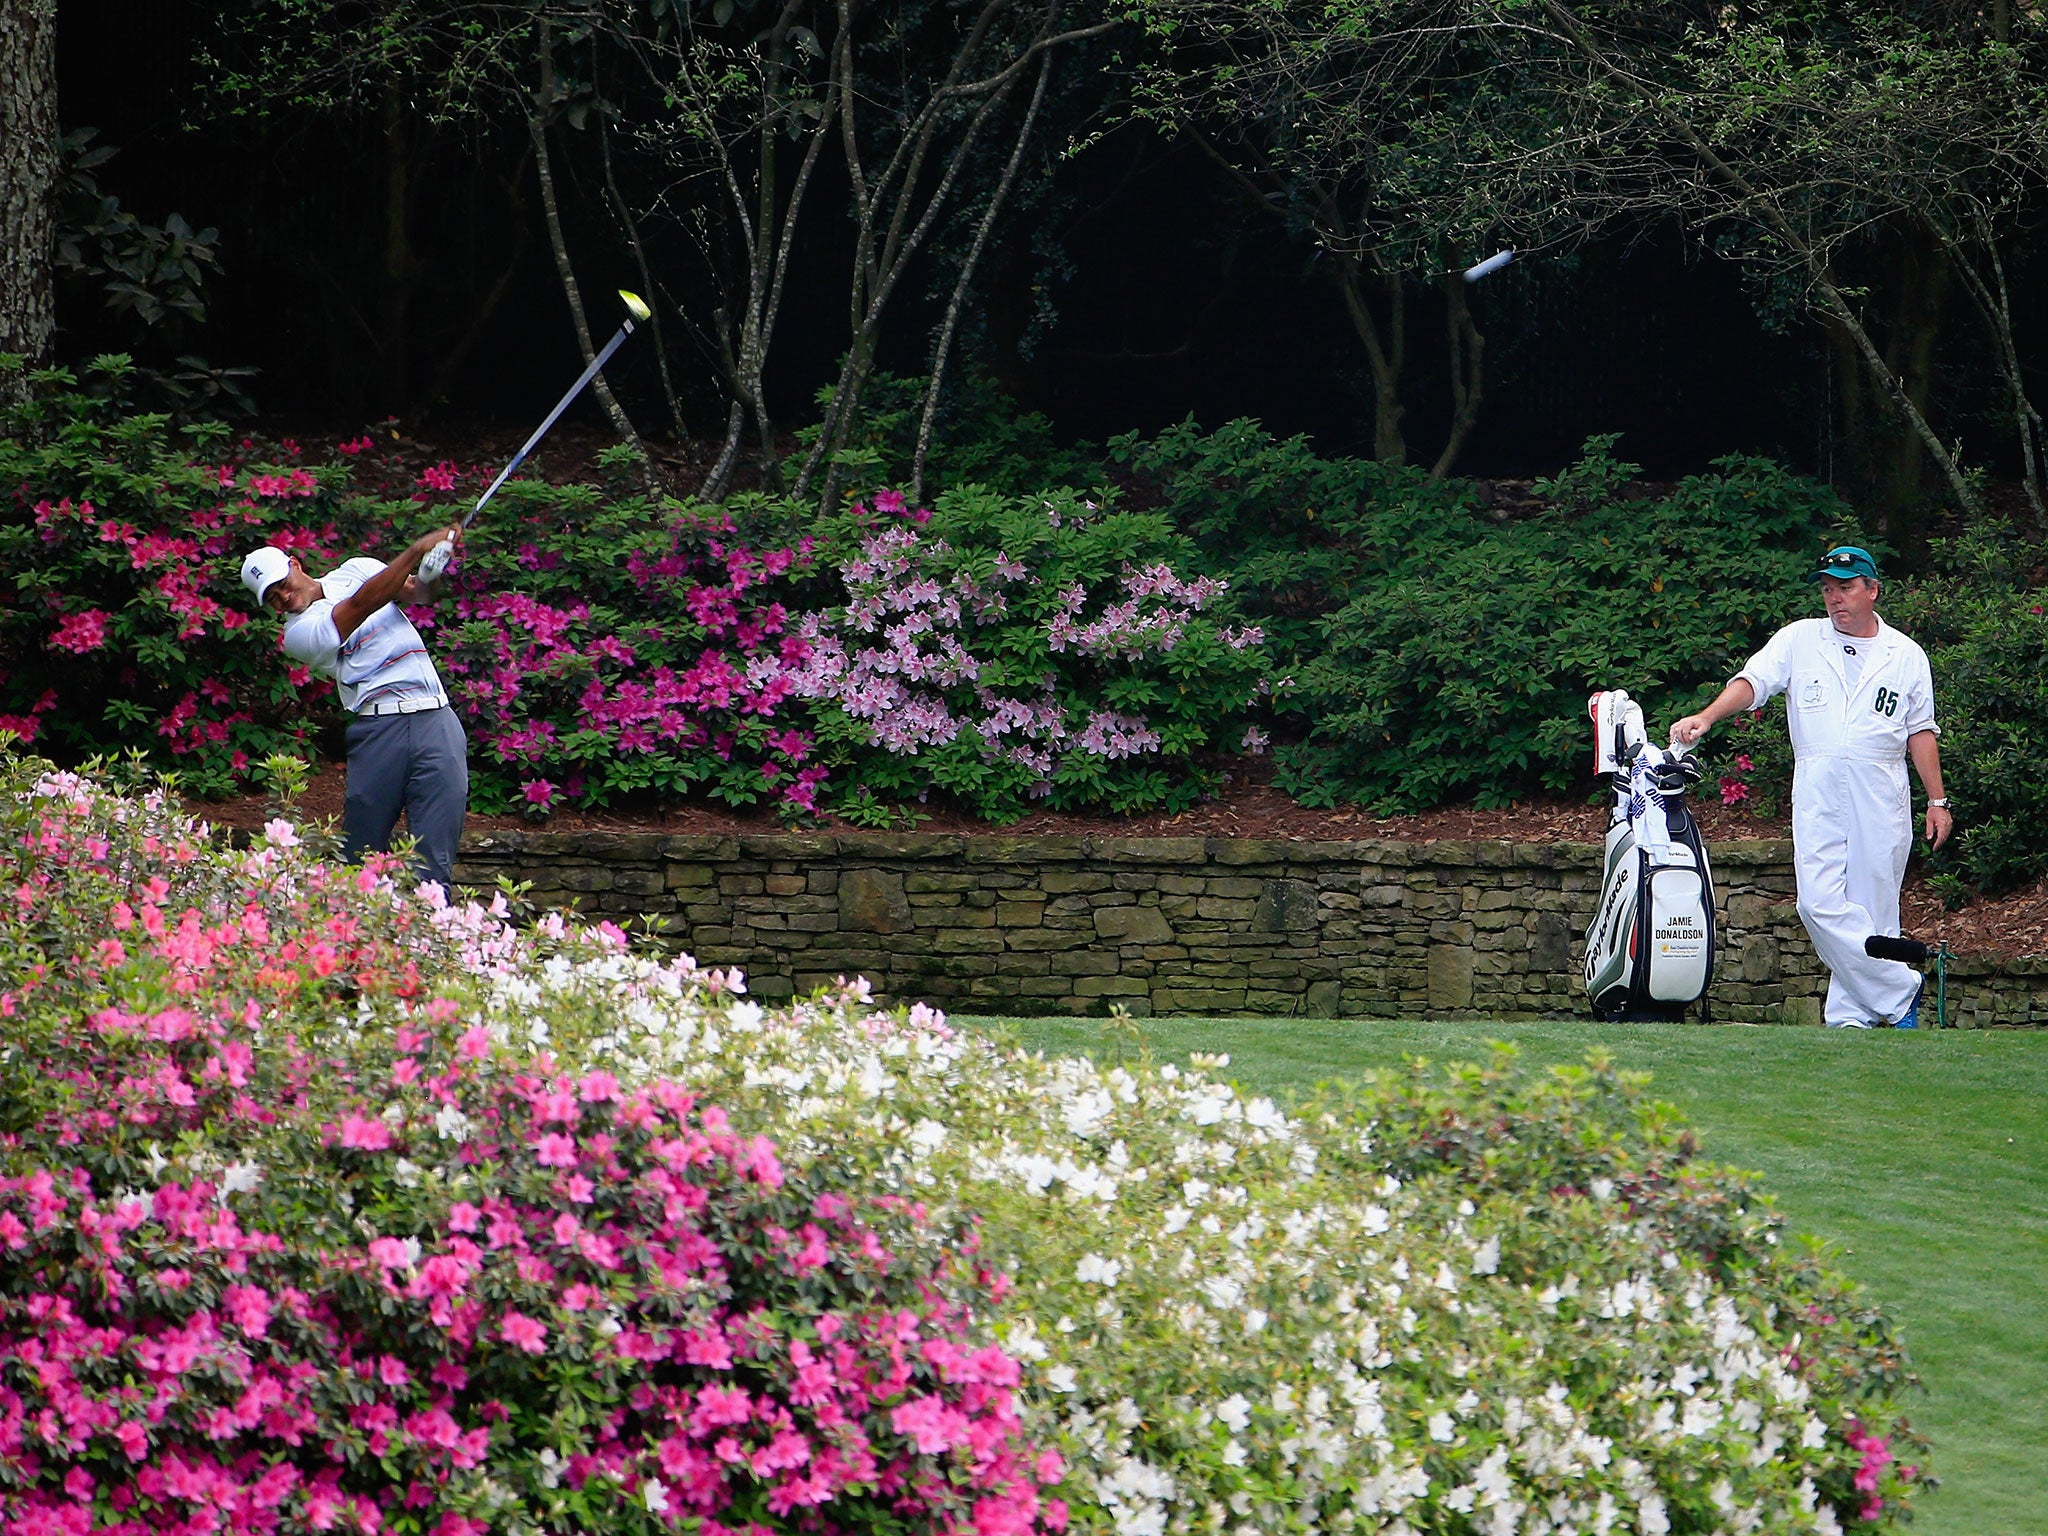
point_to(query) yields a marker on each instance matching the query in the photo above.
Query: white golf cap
(263, 569)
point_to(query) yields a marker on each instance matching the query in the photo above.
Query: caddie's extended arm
(1925, 750)
(387, 584)
(1733, 700)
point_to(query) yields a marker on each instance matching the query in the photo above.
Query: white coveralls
(1852, 809)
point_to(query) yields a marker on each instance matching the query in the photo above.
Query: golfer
(406, 750)
(1859, 699)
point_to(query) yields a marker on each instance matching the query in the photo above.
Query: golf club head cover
(1880, 946)
(434, 563)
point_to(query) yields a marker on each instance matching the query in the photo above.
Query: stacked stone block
(1181, 925)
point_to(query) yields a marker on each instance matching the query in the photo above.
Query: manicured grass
(1922, 1157)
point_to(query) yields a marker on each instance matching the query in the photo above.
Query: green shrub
(601, 643)
(1986, 636)
(1461, 668)
(980, 436)
(1296, 534)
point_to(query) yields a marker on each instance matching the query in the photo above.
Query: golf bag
(1650, 954)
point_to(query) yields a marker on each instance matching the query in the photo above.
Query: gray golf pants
(418, 764)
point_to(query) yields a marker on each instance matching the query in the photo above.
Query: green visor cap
(1845, 561)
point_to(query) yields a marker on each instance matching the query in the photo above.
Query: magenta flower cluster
(706, 673)
(1875, 1454)
(171, 1367)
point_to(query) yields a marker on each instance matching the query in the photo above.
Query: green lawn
(1922, 1157)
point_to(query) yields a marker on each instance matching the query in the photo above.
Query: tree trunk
(718, 479)
(944, 347)
(884, 248)
(1468, 371)
(28, 176)
(1920, 279)
(768, 227)
(400, 263)
(537, 127)
(1386, 357)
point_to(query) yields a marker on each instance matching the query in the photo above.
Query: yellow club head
(637, 305)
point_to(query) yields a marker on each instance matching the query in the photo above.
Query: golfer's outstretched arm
(387, 584)
(1734, 699)
(418, 590)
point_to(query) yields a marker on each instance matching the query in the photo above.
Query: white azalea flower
(1094, 1269)
(1224, 1293)
(240, 1178)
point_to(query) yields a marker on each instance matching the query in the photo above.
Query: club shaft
(561, 405)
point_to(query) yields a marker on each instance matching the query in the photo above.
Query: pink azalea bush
(630, 648)
(264, 1267)
(993, 649)
(1009, 650)
(602, 645)
(121, 618)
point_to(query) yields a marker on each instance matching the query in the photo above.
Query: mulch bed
(2015, 924)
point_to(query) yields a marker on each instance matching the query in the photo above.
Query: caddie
(406, 749)
(1859, 700)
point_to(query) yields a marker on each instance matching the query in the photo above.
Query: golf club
(437, 558)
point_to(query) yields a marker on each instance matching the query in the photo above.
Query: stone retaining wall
(1035, 925)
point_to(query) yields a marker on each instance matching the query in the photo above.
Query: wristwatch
(1942, 802)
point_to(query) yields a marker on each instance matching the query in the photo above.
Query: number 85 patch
(1886, 702)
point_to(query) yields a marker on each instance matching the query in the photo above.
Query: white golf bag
(1650, 953)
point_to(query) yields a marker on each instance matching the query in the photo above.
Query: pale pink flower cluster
(1111, 735)
(908, 683)
(898, 660)
(1150, 618)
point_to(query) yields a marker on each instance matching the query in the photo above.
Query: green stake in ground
(437, 558)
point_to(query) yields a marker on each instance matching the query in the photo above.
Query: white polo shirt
(384, 660)
(1864, 707)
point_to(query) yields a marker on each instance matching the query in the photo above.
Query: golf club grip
(555, 415)
(1881, 946)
